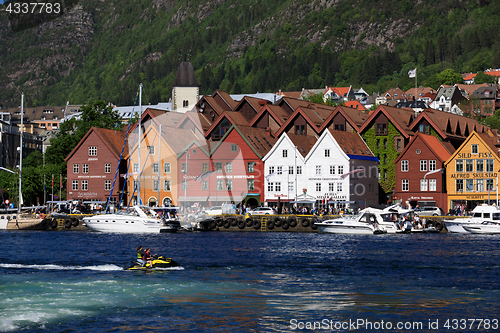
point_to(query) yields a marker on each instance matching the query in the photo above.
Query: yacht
(486, 227)
(481, 214)
(371, 222)
(135, 219)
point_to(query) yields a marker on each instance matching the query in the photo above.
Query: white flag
(412, 72)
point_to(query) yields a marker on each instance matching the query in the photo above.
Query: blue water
(248, 282)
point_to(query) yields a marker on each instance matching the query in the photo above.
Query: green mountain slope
(102, 49)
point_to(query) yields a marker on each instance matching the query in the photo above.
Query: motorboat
(370, 222)
(135, 219)
(486, 227)
(156, 263)
(479, 215)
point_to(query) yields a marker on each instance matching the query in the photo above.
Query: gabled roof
(355, 105)
(198, 119)
(354, 117)
(352, 144)
(482, 137)
(156, 116)
(313, 118)
(274, 111)
(233, 117)
(252, 101)
(395, 93)
(468, 89)
(304, 143)
(421, 91)
(401, 118)
(340, 91)
(213, 104)
(231, 103)
(448, 124)
(442, 150)
(113, 139)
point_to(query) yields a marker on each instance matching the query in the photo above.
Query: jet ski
(156, 263)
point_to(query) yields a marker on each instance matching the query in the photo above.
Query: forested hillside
(103, 49)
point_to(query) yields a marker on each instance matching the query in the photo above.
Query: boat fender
(227, 224)
(220, 222)
(42, 216)
(277, 222)
(293, 222)
(53, 225)
(256, 224)
(249, 222)
(285, 225)
(313, 223)
(241, 224)
(270, 225)
(213, 225)
(67, 223)
(75, 222)
(438, 225)
(305, 223)
(233, 222)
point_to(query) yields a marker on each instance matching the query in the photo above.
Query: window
(332, 169)
(85, 185)
(405, 184)
(166, 167)
(459, 185)
(74, 185)
(270, 187)
(220, 184)
(432, 165)
(300, 129)
(151, 150)
(479, 166)
(331, 187)
(459, 165)
(234, 148)
(285, 153)
(381, 129)
(136, 168)
(167, 185)
(385, 159)
(93, 151)
(135, 184)
(290, 169)
(469, 165)
(489, 165)
(339, 187)
(385, 144)
(489, 184)
(318, 169)
(184, 185)
(204, 185)
(378, 143)
(250, 166)
(76, 168)
(480, 185)
(271, 170)
(279, 170)
(423, 165)
(327, 152)
(218, 167)
(229, 184)
(399, 146)
(229, 166)
(107, 185)
(290, 186)
(204, 167)
(250, 184)
(432, 185)
(85, 168)
(277, 187)
(185, 103)
(404, 166)
(423, 184)
(469, 185)
(341, 170)
(155, 168)
(299, 169)
(318, 187)
(184, 168)
(474, 149)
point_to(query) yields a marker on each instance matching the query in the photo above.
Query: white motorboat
(486, 227)
(482, 213)
(363, 223)
(135, 219)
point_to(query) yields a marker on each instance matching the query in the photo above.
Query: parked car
(262, 211)
(430, 211)
(215, 210)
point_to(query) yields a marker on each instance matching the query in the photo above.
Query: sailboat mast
(140, 137)
(21, 155)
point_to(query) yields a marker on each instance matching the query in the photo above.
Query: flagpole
(415, 87)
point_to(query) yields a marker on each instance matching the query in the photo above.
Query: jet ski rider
(141, 256)
(147, 256)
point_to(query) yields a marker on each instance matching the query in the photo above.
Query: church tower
(186, 89)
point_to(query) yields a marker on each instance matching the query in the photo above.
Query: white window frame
(423, 165)
(167, 168)
(74, 185)
(423, 185)
(327, 152)
(107, 185)
(167, 185)
(405, 166)
(92, 150)
(76, 168)
(107, 167)
(405, 185)
(432, 184)
(85, 185)
(432, 165)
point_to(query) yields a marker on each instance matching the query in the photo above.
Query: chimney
(263, 102)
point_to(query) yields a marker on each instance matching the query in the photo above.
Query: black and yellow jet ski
(156, 263)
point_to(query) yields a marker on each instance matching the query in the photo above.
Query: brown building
(93, 163)
(420, 178)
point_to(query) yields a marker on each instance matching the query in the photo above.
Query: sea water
(249, 282)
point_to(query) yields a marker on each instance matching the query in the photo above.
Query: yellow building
(472, 172)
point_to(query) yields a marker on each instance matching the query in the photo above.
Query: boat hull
(346, 229)
(122, 224)
(456, 227)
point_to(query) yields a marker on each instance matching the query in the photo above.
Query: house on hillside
(339, 94)
(446, 97)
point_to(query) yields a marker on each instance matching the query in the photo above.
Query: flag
(344, 176)
(204, 175)
(52, 181)
(61, 180)
(412, 72)
(431, 172)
